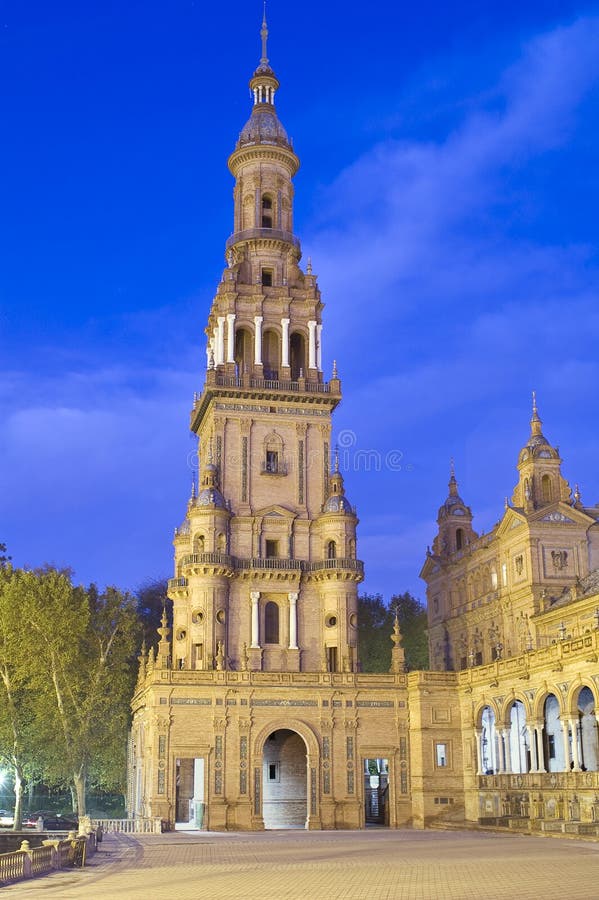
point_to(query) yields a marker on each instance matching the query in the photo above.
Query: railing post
(25, 849)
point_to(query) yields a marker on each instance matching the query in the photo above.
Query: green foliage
(375, 625)
(151, 599)
(412, 617)
(72, 656)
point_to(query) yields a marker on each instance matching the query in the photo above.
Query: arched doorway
(284, 780)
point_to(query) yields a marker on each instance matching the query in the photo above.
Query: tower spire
(535, 422)
(453, 485)
(264, 36)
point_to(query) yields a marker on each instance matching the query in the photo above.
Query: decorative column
(258, 340)
(575, 753)
(220, 341)
(293, 597)
(507, 750)
(312, 344)
(479, 756)
(285, 343)
(566, 739)
(231, 338)
(255, 598)
(530, 731)
(539, 747)
(319, 347)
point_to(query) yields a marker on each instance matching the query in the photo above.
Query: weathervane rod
(264, 36)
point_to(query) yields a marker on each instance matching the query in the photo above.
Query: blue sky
(448, 198)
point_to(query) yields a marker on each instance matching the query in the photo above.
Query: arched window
(266, 211)
(589, 749)
(271, 623)
(546, 490)
(331, 550)
(352, 549)
(459, 538)
(199, 543)
(274, 462)
(221, 543)
(488, 742)
(518, 742)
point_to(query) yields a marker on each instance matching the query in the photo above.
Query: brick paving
(292, 865)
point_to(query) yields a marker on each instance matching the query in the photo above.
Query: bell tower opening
(285, 780)
(297, 355)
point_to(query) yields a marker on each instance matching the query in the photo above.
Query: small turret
(454, 520)
(540, 480)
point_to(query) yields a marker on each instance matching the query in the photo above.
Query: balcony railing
(253, 234)
(265, 562)
(209, 559)
(174, 583)
(268, 562)
(354, 565)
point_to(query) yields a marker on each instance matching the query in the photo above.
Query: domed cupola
(263, 126)
(540, 481)
(209, 493)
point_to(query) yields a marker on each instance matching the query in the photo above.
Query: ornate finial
(264, 36)
(506, 503)
(211, 358)
(334, 368)
(535, 422)
(336, 469)
(193, 486)
(309, 266)
(577, 495)
(142, 661)
(398, 657)
(453, 485)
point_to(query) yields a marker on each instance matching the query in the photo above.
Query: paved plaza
(377, 864)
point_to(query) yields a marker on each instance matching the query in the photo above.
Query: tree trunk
(73, 798)
(79, 783)
(18, 799)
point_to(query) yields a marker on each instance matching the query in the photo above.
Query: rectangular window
(441, 751)
(272, 461)
(272, 549)
(504, 574)
(267, 277)
(332, 659)
(273, 771)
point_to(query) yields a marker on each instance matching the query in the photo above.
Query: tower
(266, 570)
(253, 713)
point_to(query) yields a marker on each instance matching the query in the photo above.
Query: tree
(375, 625)
(412, 619)
(374, 629)
(151, 599)
(81, 653)
(16, 718)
